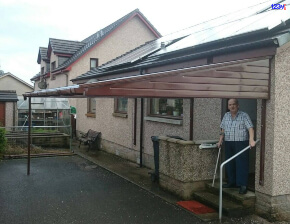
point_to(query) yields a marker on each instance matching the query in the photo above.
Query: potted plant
(176, 112)
(169, 110)
(178, 107)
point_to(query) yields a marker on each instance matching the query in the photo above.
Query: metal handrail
(221, 178)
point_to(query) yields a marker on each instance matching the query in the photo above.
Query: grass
(18, 150)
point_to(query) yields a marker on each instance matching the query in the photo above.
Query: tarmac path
(74, 190)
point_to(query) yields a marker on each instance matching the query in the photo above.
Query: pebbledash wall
(273, 198)
(117, 132)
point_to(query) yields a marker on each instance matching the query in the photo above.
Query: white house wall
(58, 81)
(10, 83)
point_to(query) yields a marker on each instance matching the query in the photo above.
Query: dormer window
(52, 66)
(47, 67)
(93, 63)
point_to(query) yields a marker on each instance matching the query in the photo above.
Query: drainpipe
(66, 80)
(14, 113)
(29, 135)
(141, 131)
(191, 119)
(141, 71)
(263, 137)
(135, 121)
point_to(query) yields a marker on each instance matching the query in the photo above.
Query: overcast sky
(25, 25)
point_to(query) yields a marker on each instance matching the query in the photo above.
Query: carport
(242, 78)
(238, 66)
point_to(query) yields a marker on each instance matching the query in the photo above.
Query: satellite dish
(42, 85)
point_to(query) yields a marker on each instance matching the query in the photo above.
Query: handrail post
(221, 178)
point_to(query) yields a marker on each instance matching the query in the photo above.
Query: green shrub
(3, 141)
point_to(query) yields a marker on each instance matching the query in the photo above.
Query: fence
(46, 137)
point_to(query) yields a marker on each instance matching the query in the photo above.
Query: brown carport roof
(248, 78)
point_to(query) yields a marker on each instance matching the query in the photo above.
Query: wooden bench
(89, 138)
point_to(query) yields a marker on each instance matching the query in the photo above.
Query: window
(93, 63)
(121, 105)
(91, 106)
(42, 70)
(47, 67)
(52, 66)
(172, 108)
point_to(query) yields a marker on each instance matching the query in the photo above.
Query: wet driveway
(74, 190)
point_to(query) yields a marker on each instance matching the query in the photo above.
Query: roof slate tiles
(65, 46)
(42, 55)
(8, 96)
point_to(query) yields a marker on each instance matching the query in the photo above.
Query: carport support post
(29, 135)
(141, 131)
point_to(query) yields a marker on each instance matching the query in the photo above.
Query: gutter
(282, 39)
(74, 90)
(61, 71)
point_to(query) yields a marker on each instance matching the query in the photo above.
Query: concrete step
(246, 200)
(230, 208)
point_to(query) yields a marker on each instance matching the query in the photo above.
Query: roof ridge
(118, 20)
(65, 40)
(17, 78)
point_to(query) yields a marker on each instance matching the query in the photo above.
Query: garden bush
(3, 141)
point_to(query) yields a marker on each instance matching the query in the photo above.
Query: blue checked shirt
(236, 129)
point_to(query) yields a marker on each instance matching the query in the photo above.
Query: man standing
(237, 132)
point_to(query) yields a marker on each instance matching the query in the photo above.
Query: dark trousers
(237, 169)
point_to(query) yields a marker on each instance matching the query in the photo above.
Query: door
(250, 107)
(2, 114)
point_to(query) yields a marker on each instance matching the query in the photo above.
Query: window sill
(91, 115)
(120, 115)
(164, 120)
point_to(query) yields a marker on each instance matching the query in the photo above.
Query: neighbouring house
(64, 60)
(9, 81)
(178, 85)
(8, 100)
(11, 87)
